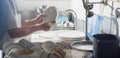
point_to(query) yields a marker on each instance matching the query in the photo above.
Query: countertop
(70, 52)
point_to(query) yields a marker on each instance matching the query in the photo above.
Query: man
(9, 30)
(8, 25)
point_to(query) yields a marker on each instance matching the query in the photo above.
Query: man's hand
(44, 27)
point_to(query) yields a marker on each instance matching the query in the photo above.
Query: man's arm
(25, 24)
(20, 32)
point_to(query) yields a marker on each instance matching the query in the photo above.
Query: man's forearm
(25, 24)
(20, 32)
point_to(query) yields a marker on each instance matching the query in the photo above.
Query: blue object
(96, 27)
(61, 19)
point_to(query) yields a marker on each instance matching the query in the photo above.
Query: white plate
(49, 34)
(51, 13)
(83, 45)
(46, 36)
(12, 46)
(71, 34)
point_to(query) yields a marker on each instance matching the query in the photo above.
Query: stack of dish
(71, 35)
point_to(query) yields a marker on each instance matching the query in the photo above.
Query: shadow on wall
(28, 14)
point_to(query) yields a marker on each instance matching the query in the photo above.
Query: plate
(77, 54)
(71, 34)
(52, 14)
(83, 45)
(48, 34)
(9, 46)
(49, 46)
(25, 43)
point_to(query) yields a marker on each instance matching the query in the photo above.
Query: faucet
(73, 16)
(41, 9)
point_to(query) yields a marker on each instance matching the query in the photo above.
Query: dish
(49, 34)
(7, 47)
(71, 34)
(26, 44)
(24, 53)
(52, 14)
(83, 45)
(49, 46)
(77, 54)
(12, 46)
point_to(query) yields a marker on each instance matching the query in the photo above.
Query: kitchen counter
(70, 52)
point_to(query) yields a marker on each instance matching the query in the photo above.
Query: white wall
(97, 9)
(30, 5)
(106, 11)
(77, 6)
